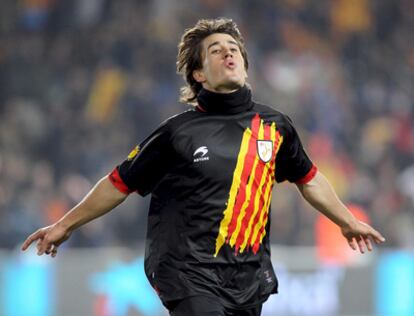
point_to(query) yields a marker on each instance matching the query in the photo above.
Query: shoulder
(175, 121)
(164, 131)
(271, 114)
(171, 124)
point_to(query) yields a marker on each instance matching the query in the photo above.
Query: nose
(228, 53)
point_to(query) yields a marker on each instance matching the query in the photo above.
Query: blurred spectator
(81, 82)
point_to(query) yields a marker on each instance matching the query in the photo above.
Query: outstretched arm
(101, 199)
(320, 194)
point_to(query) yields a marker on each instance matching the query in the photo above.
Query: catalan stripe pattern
(246, 214)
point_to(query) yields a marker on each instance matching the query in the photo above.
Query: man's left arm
(320, 194)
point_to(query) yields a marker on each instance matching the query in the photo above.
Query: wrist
(349, 223)
(64, 224)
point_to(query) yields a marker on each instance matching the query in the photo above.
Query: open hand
(48, 239)
(359, 235)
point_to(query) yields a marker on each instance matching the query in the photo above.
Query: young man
(211, 171)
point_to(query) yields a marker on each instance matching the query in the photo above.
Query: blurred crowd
(81, 82)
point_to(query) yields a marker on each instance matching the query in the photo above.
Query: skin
(223, 65)
(319, 193)
(101, 199)
(223, 72)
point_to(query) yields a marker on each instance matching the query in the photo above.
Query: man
(210, 171)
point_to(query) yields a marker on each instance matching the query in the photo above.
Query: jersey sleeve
(146, 164)
(292, 162)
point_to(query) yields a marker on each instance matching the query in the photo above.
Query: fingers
(369, 231)
(52, 251)
(33, 237)
(351, 243)
(48, 248)
(44, 246)
(47, 240)
(361, 244)
(368, 243)
(359, 237)
(378, 238)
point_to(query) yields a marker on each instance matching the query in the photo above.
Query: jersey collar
(225, 103)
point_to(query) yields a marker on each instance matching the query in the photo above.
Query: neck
(223, 88)
(223, 91)
(231, 102)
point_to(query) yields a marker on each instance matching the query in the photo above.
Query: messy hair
(189, 56)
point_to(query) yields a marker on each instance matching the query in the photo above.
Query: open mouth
(230, 64)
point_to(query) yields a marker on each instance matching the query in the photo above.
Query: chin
(233, 85)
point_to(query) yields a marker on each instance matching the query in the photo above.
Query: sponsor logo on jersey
(200, 154)
(245, 218)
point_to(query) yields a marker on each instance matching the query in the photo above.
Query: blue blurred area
(107, 285)
(395, 285)
(28, 287)
(124, 285)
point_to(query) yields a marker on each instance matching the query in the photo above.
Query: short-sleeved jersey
(211, 177)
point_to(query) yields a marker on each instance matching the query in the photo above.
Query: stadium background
(81, 82)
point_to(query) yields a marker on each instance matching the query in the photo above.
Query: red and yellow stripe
(245, 217)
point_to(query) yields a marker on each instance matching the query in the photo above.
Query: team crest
(265, 150)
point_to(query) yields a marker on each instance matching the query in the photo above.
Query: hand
(359, 235)
(48, 239)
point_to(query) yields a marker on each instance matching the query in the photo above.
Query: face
(223, 65)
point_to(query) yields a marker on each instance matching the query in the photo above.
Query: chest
(215, 149)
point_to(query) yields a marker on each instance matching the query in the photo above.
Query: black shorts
(208, 306)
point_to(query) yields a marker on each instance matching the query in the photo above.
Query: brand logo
(265, 150)
(268, 276)
(200, 154)
(133, 153)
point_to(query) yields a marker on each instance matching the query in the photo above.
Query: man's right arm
(103, 197)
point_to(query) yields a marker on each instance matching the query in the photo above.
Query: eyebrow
(217, 42)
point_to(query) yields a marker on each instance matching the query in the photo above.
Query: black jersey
(211, 171)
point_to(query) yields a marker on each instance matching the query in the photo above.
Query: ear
(198, 76)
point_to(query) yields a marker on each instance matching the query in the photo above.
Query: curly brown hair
(189, 56)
